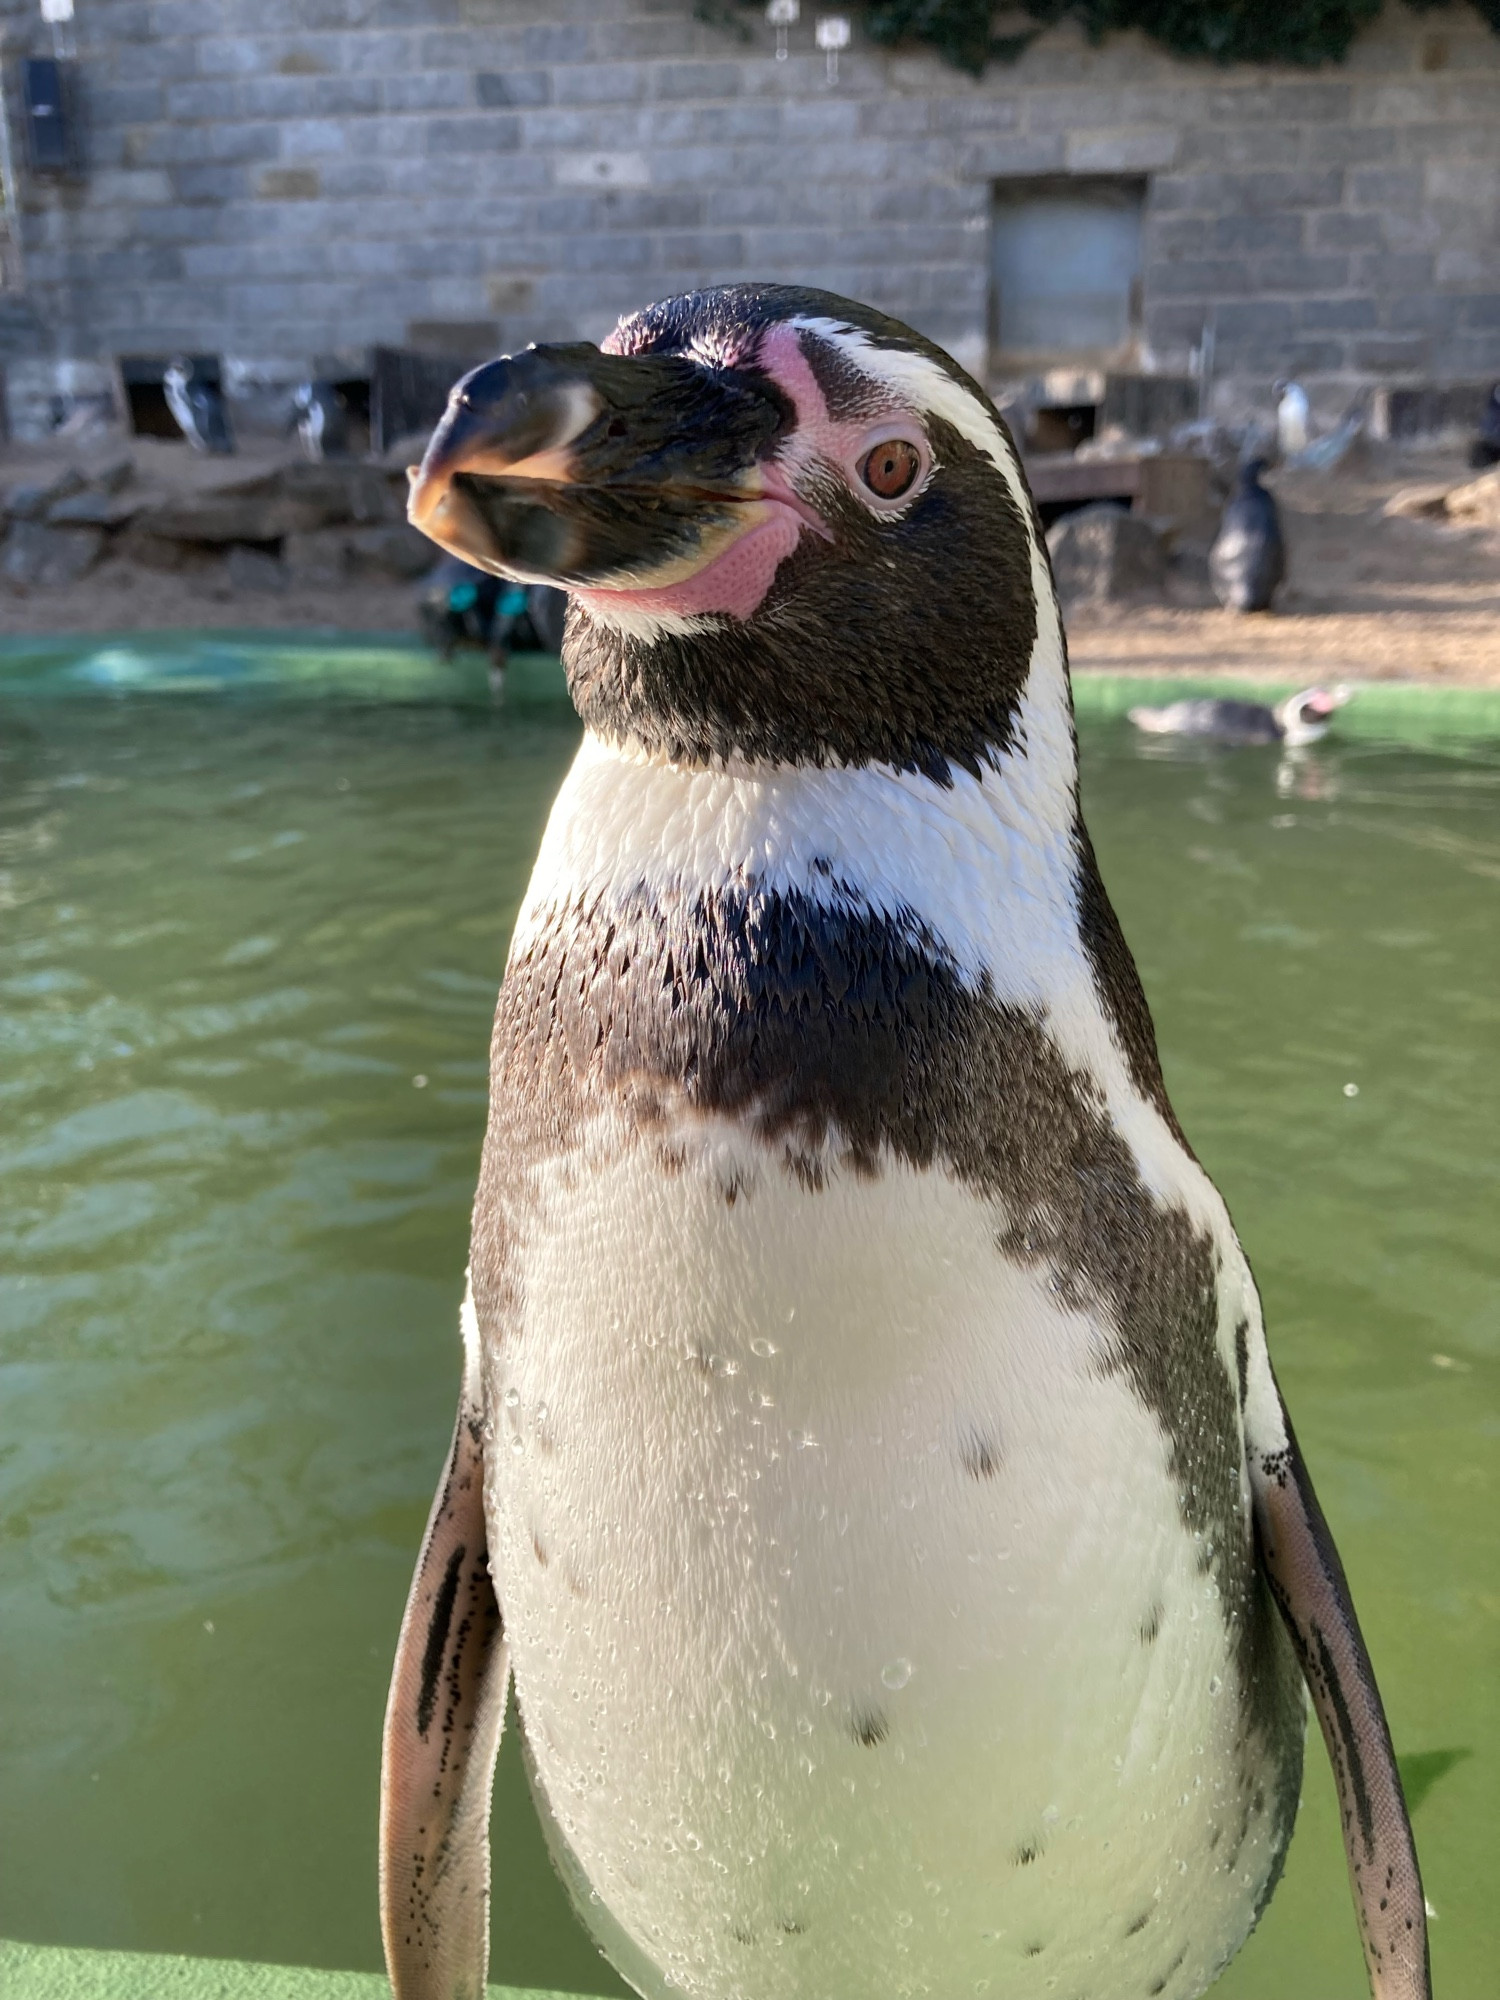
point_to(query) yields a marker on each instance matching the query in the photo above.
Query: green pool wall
(53, 1972)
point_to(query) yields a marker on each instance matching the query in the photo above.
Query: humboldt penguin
(1298, 720)
(198, 407)
(1247, 562)
(868, 1467)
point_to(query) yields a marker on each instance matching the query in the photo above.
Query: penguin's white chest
(858, 1639)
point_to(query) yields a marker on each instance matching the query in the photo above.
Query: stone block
(1259, 232)
(1202, 278)
(1120, 152)
(288, 184)
(396, 550)
(33, 500)
(495, 89)
(35, 555)
(1337, 315)
(1104, 555)
(254, 570)
(474, 135)
(1383, 271)
(697, 80)
(1386, 187)
(602, 170)
(1341, 230)
(1301, 273)
(316, 560)
(94, 510)
(1001, 155)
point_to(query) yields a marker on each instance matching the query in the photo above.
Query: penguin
(322, 420)
(869, 1470)
(198, 407)
(1485, 449)
(1247, 562)
(1293, 417)
(1300, 719)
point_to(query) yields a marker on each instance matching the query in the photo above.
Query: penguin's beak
(569, 466)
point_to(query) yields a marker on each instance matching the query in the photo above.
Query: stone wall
(279, 180)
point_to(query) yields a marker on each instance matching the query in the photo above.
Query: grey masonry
(284, 182)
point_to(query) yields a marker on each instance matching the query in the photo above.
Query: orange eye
(890, 469)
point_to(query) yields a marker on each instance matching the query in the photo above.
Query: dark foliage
(1308, 32)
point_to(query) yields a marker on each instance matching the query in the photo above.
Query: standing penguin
(198, 407)
(868, 1461)
(322, 420)
(1248, 559)
(1485, 450)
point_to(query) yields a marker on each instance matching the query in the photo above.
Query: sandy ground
(1367, 597)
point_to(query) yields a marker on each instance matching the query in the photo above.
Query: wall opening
(1065, 270)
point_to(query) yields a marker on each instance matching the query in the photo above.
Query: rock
(1477, 504)
(93, 510)
(157, 552)
(36, 554)
(294, 499)
(398, 550)
(31, 500)
(251, 569)
(340, 491)
(1104, 555)
(1416, 503)
(113, 476)
(318, 559)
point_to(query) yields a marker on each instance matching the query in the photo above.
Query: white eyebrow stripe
(1045, 741)
(925, 386)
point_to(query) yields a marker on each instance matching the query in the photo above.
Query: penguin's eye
(891, 468)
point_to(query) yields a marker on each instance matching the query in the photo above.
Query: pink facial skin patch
(734, 583)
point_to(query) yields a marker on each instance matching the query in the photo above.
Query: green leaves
(1308, 32)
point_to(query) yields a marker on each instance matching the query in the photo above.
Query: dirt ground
(1367, 597)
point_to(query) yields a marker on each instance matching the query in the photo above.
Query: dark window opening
(1061, 426)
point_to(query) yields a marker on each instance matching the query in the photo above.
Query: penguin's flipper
(1307, 1580)
(442, 1734)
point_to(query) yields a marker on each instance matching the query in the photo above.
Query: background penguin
(322, 420)
(868, 1460)
(199, 407)
(1485, 450)
(1293, 418)
(1247, 562)
(1300, 719)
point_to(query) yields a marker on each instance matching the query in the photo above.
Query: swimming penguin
(868, 1463)
(1300, 719)
(1248, 559)
(198, 407)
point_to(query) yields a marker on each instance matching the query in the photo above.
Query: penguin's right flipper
(1307, 1580)
(442, 1735)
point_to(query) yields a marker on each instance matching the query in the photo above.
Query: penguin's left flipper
(1307, 1580)
(442, 1735)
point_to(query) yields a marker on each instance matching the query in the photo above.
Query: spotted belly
(861, 1634)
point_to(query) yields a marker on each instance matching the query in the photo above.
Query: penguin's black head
(792, 530)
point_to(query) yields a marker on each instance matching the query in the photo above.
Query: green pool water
(253, 909)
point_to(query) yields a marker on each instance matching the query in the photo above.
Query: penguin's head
(792, 530)
(1306, 715)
